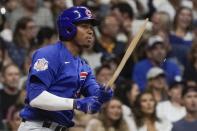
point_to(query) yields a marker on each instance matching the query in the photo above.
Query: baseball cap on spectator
(177, 81)
(154, 73)
(154, 40)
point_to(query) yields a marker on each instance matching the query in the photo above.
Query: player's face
(85, 35)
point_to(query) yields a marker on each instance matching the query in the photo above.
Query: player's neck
(72, 48)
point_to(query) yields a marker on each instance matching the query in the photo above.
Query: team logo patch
(88, 13)
(41, 64)
(83, 75)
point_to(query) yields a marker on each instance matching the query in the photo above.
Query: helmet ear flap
(67, 30)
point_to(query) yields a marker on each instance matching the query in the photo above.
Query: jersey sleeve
(43, 67)
(41, 74)
(90, 87)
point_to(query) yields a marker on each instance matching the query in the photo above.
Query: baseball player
(58, 76)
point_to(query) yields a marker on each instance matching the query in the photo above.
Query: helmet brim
(93, 22)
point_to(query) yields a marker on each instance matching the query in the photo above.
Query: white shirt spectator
(128, 116)
(160, 126)
(167, 111)
(166, 6)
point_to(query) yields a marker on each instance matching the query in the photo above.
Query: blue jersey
(57, 71)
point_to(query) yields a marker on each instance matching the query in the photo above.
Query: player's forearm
(48, 101)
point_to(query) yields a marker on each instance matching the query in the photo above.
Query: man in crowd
(172, 109)
(189, 122)
(10, 91)
(156, 57)
(157, 84)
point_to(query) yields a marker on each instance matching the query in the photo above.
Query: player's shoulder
(47, 54)
(50, 50)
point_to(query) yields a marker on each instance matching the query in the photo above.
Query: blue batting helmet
(69, 17)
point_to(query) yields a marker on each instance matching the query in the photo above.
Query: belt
(47, 124)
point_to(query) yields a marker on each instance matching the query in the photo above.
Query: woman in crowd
(190, 72)
(145, 114)
(160, 22)
(128, 96)
(23, 39)
(110, 118)
(4, 57)
(181, 36)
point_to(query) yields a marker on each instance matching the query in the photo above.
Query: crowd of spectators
(157, 88)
